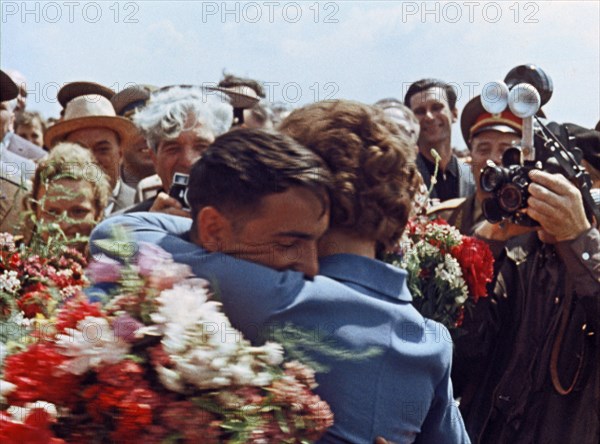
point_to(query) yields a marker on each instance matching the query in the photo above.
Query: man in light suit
(261, 197)
(15, 170)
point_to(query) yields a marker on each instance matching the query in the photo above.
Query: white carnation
(92, 344)
(9, 282)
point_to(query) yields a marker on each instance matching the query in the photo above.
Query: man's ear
(213, 229)
(454, 114)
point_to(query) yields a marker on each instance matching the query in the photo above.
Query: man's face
(34, 133)
(137, 155)
(489, 145)
(104, 145)
(7, 119)
(178, 155)
(281, 234)
(435, 116)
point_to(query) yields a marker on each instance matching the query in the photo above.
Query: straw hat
(89, 111)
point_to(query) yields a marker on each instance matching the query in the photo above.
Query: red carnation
(74, 311)
(37, 376)
(477, 265)
(35, 429)
(35, 301)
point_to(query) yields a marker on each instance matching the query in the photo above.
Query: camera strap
(564, 322)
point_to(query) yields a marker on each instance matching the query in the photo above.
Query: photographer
(487, 136)
(540, 374)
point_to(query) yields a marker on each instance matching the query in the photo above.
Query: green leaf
(120, 245)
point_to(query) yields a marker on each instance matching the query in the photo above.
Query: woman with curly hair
(67, 199)
(374, 174)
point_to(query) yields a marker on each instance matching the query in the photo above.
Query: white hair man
(179, 123)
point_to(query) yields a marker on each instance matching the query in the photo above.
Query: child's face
(70, 204)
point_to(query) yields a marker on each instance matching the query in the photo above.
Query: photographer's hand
(557, 205)
(169, 205)
(500, 232)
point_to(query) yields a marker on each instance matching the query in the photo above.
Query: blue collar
(374, 275)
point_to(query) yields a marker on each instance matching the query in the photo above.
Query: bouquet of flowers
(447, 272)
(159, 362)
(35, 281)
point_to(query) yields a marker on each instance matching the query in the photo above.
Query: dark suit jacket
(466, 182)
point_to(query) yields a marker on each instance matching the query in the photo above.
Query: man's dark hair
(231, 81)
(425, 84)
(245, 165)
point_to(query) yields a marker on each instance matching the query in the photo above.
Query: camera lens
(510, 198)
(492, 177)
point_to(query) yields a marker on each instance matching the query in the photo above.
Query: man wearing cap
(137, 161)
(179, 122)
(91, 121)
(528, 369)
(434, 104)
(488, 136)
(245, 95)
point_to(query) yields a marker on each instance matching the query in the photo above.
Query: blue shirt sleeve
(250, 293)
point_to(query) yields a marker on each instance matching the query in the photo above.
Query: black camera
(527, 87)
(508, 184)
(178, 188)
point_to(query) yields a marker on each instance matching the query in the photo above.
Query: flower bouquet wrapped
(159, 362)
(447, 272)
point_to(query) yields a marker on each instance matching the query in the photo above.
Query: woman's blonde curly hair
(373, 164)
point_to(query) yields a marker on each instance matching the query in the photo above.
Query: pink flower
(104, 269)
(125, 327)
(151, 257)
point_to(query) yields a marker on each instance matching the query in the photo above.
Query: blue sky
(307, 51)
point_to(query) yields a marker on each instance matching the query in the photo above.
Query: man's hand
(557, 205)
(167, 204)
(502, 231)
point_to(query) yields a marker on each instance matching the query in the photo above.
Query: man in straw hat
(90, 121)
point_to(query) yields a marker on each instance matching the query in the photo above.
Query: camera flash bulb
(494, 97)
(524, 100)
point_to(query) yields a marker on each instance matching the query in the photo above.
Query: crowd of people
(288, 213)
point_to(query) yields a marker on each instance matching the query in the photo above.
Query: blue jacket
(355, 305)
